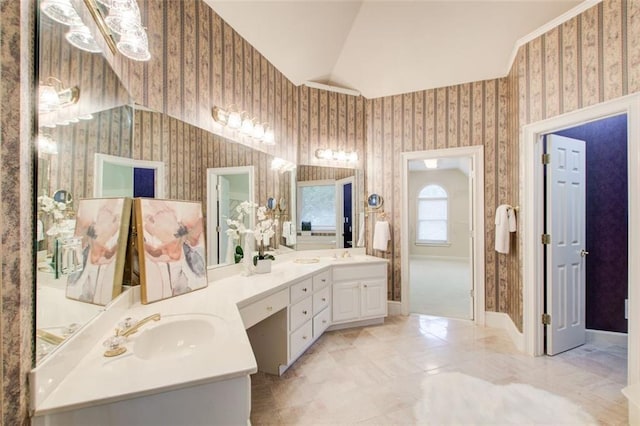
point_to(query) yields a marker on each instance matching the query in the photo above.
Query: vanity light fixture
(431, 163)
(79, 36)
(341, 156)
(61, 11)
(46, 145)
(282, 165)
(242, 122)
(52, 95)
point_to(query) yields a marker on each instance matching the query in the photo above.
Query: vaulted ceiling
(388, 47)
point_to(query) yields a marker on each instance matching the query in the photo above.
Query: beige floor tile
(376, 375)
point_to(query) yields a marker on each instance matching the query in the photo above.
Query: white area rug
(458, 399)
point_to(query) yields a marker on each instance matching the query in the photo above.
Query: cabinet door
(346, 301)
(374, 298)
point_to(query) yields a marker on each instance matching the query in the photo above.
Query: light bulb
(134, 45)
(247, 126)
(269, 137)
(61, 11)
(79, 36)
(258, 131)
(48, 99)
(234, 120)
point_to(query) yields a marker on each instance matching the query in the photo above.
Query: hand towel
(505, 223)
(381, 235)
(360, 242)
(231, 250)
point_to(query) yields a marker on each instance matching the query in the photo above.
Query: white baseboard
(503, 321)
(394, 308)
(610, 337)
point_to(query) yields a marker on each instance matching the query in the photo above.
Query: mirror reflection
(328, 213)
(98, 143)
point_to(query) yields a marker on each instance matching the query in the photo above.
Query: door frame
(212, 203)
(476, 174)
(531, 196)
(340, 183)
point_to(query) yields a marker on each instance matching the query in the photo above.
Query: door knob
(583, 252)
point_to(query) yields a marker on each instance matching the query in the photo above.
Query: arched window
(433, 214)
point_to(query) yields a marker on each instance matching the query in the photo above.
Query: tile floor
(372, 375)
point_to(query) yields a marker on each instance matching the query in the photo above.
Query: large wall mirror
(97, 125)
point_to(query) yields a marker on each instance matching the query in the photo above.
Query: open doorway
(532, 212)
(586, 219)
(443, 233)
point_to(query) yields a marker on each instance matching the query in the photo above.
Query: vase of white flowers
(262, 232)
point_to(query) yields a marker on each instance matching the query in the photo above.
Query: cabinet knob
(365, 286)
(304, 337)
(304, 289)
(323, 280)
(324, 299)
(324, 321)
(269, 308)
(304, 312)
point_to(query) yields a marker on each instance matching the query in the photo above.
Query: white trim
(608, 337)
(503, 321)
(331, 88)
(569, 14)
(532, 216)
(476, 175)
(394, 307)
(212, 205)
(100, 159)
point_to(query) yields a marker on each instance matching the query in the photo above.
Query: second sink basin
(178, 336)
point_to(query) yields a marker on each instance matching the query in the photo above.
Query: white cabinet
(359, 293)
(346, 301)
(373, 298)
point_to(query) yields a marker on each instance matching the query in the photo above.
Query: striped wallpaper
(100, 88)
(197, 62)
(330, 120)
(457, 116)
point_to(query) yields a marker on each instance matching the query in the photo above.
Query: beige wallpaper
(197, 62)
(189, 151)
(306, 173)
(330, 120)
(463, 115)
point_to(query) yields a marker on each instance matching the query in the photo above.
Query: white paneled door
(566, 251)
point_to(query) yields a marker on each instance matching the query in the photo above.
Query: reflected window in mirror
(317, 205)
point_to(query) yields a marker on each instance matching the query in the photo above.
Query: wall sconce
(282, 165)
(241, 121)
(328, 154)
(53, 95)
(62, 11)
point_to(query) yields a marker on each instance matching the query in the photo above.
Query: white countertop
(96, 379)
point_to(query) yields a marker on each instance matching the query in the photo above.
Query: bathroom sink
(178, 336)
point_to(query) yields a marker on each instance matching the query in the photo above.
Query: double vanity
(193, 365)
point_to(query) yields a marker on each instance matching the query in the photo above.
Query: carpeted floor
(440, 287)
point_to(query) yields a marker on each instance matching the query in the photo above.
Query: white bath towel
(289, 233)
(360, 242)
(505, 223)
(231, 250)
(381, 235)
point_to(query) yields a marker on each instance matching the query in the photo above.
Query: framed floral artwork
(102, 226)
(171, 248)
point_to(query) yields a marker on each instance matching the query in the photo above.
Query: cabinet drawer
(321, 322)
(321, 300)
(358, 272)
(257, 311)
(301, 290)
(300, 312)
(300, 339)
(321, 280)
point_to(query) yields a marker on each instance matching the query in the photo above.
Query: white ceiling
(388, 47)
(463, 164)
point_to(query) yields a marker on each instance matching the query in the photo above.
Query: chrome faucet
(130, 330)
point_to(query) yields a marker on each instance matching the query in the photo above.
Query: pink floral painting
(171, 248)
(102, 225)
